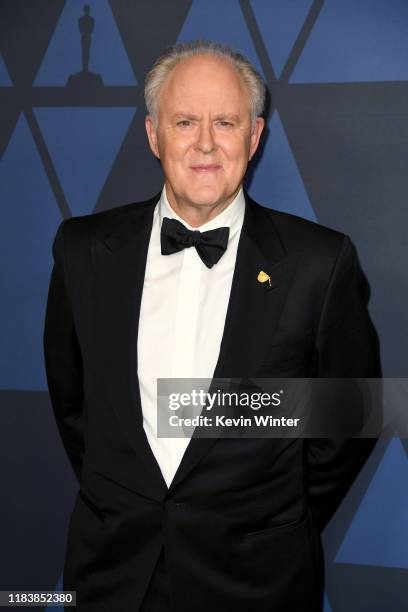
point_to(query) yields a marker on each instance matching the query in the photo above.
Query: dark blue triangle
(280, 22)
(83, 144)
(223, 22)
(277, 182)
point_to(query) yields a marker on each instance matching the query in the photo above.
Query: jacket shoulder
(102, 223)
(304, 236)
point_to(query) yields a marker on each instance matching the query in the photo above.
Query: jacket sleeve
(63, 362)
(346, 347)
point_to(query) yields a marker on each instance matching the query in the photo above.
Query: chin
(205, 197)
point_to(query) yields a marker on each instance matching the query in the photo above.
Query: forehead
(204, 81)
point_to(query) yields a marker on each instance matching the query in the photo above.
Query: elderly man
(171, 288)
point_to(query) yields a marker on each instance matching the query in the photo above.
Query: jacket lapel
(253, 311)
(119, 261)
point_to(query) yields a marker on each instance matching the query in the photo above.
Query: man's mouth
(205, 168)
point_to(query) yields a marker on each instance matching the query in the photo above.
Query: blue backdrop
(334, 151)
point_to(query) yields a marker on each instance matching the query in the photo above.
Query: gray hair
(173, 55)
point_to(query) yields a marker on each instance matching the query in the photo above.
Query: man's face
(204, 136)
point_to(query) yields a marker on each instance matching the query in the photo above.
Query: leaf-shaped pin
(263, 277)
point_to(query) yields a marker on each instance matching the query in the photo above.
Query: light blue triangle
(83, 144)
(356, 40)
(58, 589)
(280, 22)
(108, 56)
(326, 605)
(223, 22)
(277, 182)
(29, 220)
(379, 535)
(5, 80)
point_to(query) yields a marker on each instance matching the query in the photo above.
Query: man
(139, 293)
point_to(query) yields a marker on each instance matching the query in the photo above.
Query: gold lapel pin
(263, 277)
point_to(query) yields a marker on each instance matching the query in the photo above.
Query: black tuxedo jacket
(241, 521)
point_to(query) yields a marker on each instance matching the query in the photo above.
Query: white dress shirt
(182, 317)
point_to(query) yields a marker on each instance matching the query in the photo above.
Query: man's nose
(205, 138)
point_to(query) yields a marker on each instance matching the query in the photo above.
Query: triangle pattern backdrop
(29, 221)
(277, 182)
(4, 75)
(378, 534)
(107, 56)
(327, 607)
(83, 143)
(280, 22)
(227, 25)
(352, 40)
(377, 52)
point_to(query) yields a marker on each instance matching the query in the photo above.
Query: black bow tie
(210, 245)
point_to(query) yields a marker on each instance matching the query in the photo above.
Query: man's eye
(184, 123)
(225, 123)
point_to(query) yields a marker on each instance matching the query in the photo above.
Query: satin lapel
(119, 261)
(253, 312)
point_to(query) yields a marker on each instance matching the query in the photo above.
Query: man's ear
(152, 135)
(256, 135)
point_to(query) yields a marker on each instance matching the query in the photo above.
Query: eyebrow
(221, 116)
(232, 117)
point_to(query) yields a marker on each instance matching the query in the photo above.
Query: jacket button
(172, 505)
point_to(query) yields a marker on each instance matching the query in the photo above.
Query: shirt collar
(232, 216)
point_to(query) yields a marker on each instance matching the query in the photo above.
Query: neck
(197, 214)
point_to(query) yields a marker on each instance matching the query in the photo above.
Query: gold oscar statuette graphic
(263, 277)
